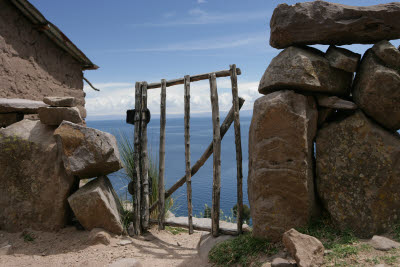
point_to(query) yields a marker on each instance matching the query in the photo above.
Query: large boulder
(281, 180)
(34, 185)
(376, 91)
(87, 152)
(358, 174)
(320, 22)
(96, 205)
(304, 69)
(56, 115)
(25, 106)
(306, 250)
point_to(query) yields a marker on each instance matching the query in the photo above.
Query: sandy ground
(68, 248)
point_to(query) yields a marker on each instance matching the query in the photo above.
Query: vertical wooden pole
(161, 169)
(187, 151)
(137, 154)
(238, 143)
(216, 157)
(145, 162)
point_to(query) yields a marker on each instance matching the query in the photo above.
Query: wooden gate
(141, 199)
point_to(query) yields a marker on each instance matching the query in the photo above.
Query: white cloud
(116, 98)
(205, 44)
(201, 1)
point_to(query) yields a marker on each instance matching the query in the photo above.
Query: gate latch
(130, 116)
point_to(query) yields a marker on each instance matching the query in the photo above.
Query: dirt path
(67, 248)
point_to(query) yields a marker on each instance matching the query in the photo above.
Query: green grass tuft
(240, 250)
(176, 230)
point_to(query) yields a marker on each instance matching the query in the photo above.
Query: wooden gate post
(216, 156)
(145, 161)
(187, 151)
(238, 143)
(137, 163)
(161, 168)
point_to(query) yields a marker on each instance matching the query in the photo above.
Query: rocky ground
(68, 247)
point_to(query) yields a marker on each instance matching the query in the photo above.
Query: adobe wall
(31, 65)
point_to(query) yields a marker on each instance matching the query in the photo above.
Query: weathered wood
(145, 206)
(195, 78)
(216, 156)
(161, 167)
(137, 183)
(207, 153)
(238, 144)
(187, 151)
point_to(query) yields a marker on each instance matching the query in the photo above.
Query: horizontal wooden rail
(207, 153)
(194, 78)
(223, 231)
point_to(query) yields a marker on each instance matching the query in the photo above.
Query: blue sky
(149, 40)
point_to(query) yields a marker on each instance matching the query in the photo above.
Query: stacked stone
(60, 109)
(13, 110)
(41, 166)
(313, 96)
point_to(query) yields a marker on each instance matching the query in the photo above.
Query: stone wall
(356, 175)
(31, 65)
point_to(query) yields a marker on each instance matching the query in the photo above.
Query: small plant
(176, 230)
(127, 157)
(240, 250)
(28, 237)
(207, 211)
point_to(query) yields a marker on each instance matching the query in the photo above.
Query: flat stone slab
(320, 22)
(204, 224)
(335, 103)
(25, 106)
(60, 101)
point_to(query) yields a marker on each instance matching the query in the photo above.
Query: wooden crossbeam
(194, 78)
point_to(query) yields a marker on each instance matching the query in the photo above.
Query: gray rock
(207, 242)
(65, 101)
(383, 243)
(7, 119)
(33, 183)
(98, 236)
(335, 24)
(343, 59)
(56, 115)
(306, 250)
(335, 102)
(388, 54)
(131, 229)
(304, 69)
(376, 91)
(25, 106)
(279, 262)
(87, 152)
(126, 262)
(96, 205)
(358, 174)
(283, 122)
(125, 242)
(5, 249)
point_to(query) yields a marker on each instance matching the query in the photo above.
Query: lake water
(200, 137)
